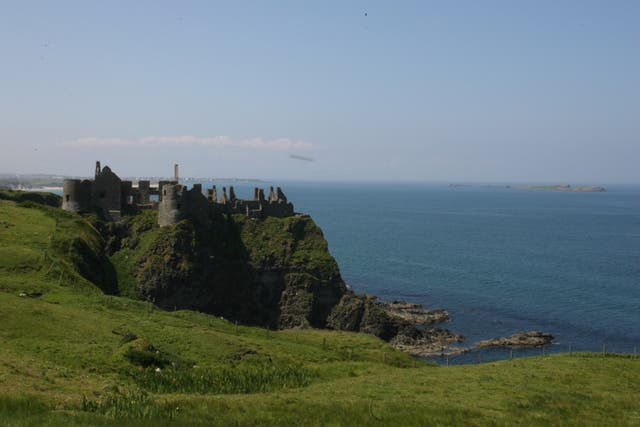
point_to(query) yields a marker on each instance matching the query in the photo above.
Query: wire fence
(482, 355)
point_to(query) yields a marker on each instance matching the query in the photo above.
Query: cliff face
(274, 272)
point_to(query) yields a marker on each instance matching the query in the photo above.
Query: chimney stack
(175, 172)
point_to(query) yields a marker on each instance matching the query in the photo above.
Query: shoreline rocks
(415, 313)
(519, 339)
(397, 322)
(429, 342)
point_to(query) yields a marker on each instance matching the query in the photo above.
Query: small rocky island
(561, 187)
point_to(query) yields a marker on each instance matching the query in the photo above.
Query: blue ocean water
(501, 261)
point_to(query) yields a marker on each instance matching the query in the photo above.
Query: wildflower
(158, 369)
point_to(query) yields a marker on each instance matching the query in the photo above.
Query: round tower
(171, 208)
(76, 195)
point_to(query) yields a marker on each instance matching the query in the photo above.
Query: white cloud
(190, 141)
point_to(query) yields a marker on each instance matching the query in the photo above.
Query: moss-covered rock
(362, 313)
(274, 272)
(141, 352)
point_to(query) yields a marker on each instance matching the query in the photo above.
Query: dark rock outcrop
(520, 339)
(429, 342)
(416, 313)
(397, 322)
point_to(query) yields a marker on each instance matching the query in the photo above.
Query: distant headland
(554, 187)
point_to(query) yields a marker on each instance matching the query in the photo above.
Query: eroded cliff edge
(271, 272)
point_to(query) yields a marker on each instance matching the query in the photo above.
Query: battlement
(178, 203)
(110, 195)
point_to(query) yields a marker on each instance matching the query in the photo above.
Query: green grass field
(72, 355)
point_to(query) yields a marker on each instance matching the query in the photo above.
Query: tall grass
(21, 404)
(134, 403)
(246, 379)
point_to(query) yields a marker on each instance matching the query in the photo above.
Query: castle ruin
(110, 195)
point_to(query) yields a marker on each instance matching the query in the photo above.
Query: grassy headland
(72, 354)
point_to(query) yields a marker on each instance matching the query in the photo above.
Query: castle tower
(97, 168)
(175, 172)
(172, 208)
(76, 195)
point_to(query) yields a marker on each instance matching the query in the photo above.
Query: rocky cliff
(275, 272)
(272, 272)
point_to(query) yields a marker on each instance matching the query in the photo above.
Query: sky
(464, 91)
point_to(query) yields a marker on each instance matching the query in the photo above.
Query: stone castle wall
(193, 203)
(110, 195)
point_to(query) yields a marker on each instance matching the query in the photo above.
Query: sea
(499, 260)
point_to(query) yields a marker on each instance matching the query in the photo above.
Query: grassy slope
(68, 343)
(44, 198)
(125, 259)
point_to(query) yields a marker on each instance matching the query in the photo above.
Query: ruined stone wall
(198, 207)
(143, 192)
(275, 204)
(109, 194)
(126, 193)
(278, 209)
(106, 192)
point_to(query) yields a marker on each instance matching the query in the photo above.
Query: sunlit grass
(70, 355)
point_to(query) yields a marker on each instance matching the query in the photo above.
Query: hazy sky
(538, 91)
